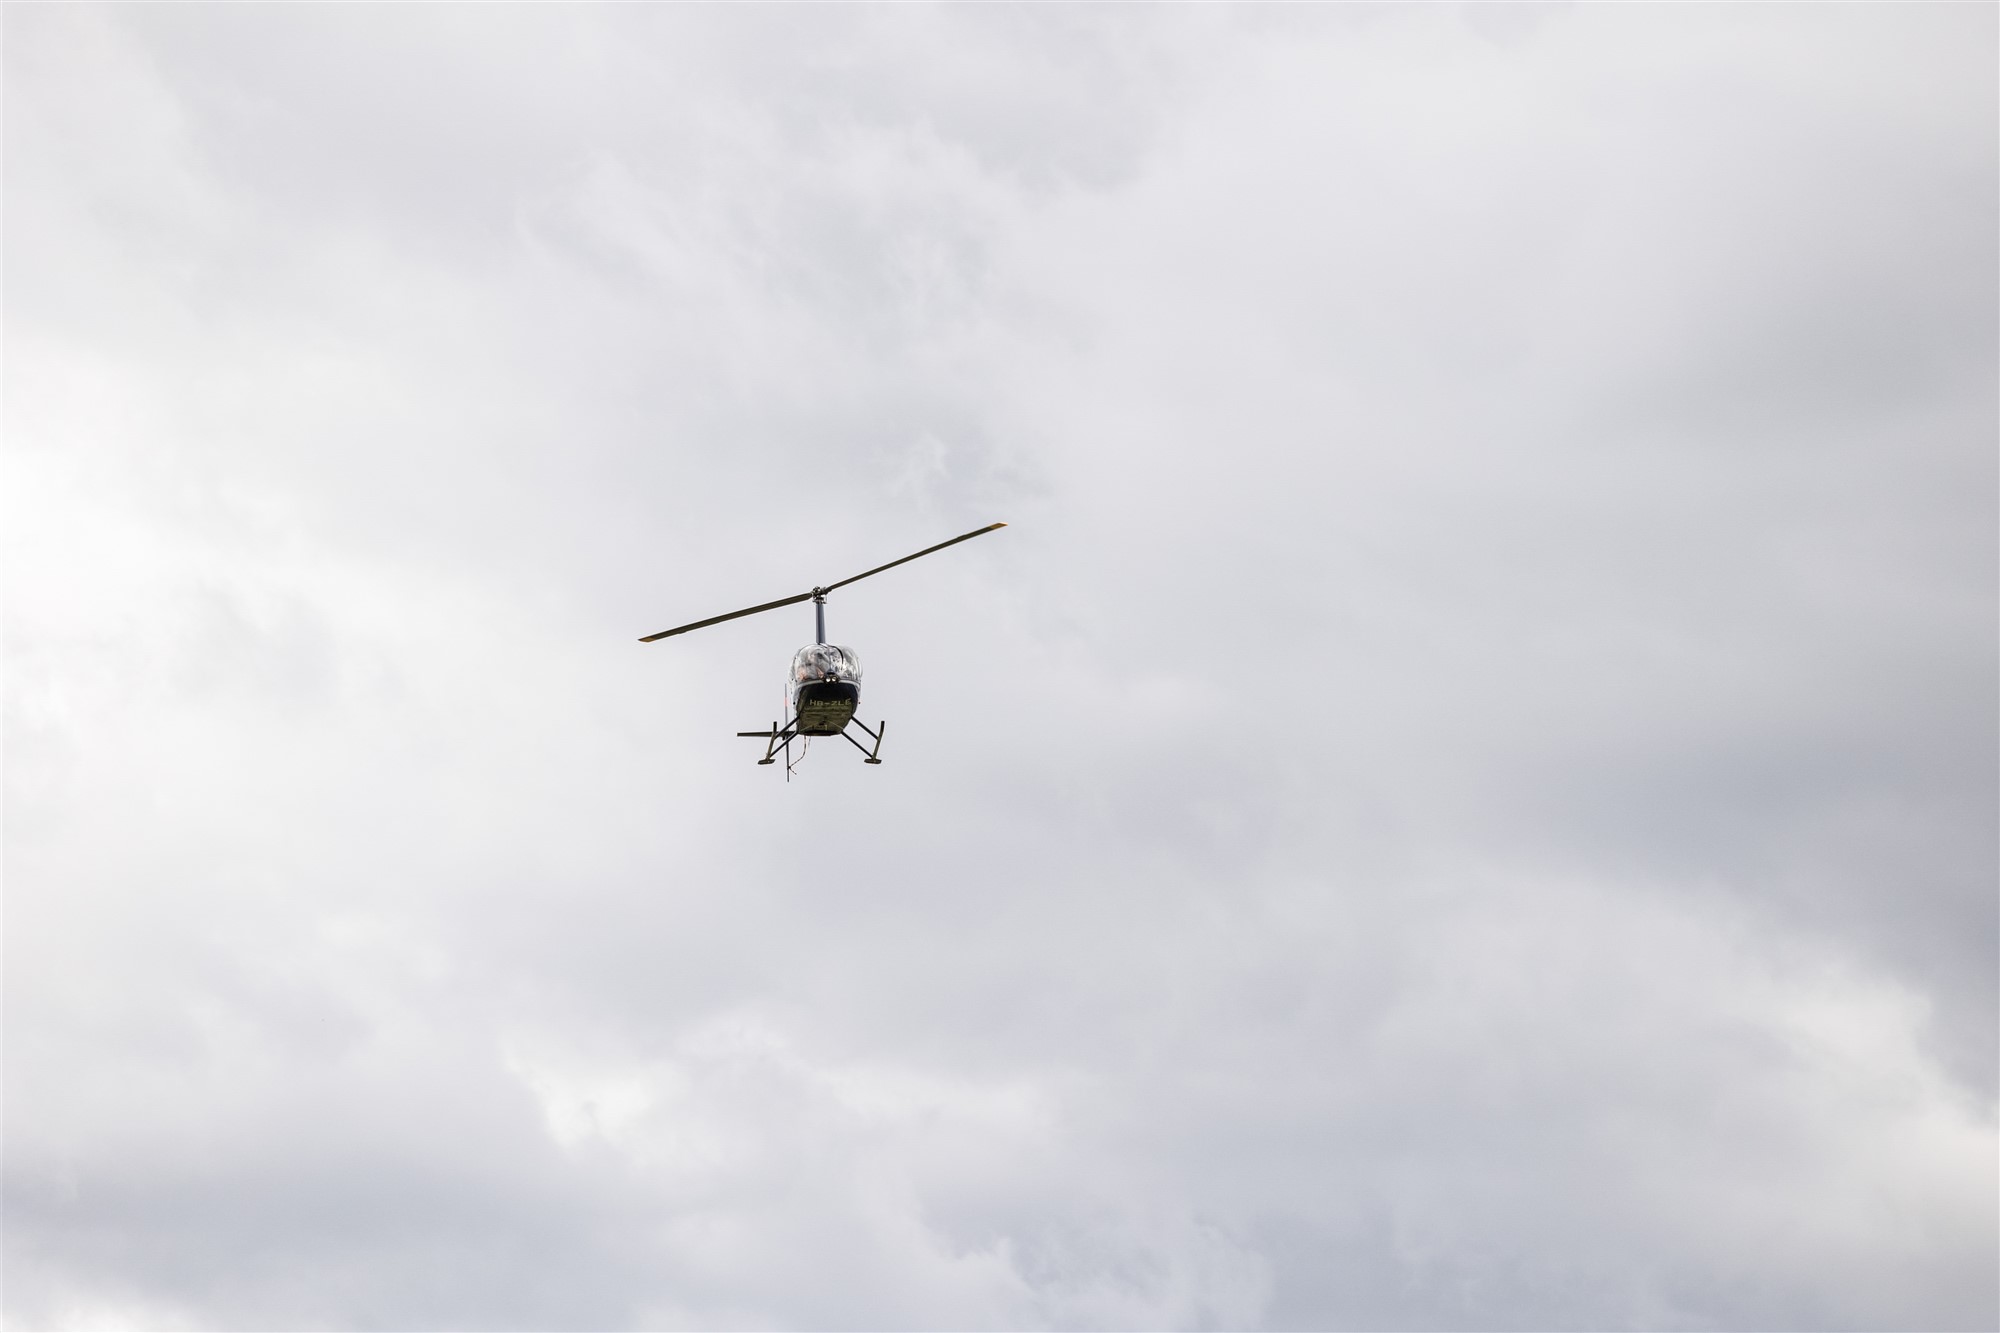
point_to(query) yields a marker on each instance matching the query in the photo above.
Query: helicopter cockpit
(825, 687)
(824, 662)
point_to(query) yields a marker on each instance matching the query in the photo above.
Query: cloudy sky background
(1464, 798)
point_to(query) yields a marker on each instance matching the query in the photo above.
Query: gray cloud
(1463, 799)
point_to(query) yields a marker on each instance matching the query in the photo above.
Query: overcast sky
(1464, 798)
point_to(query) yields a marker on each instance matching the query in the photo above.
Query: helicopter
(825, 684)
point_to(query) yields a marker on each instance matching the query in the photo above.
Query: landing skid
(779, 742)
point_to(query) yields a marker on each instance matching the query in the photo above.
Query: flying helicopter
(825, 684)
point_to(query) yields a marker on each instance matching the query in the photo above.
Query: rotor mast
(819, 615)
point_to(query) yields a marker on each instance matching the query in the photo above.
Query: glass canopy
(825, 661)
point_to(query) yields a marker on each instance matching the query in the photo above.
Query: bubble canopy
(825, 662)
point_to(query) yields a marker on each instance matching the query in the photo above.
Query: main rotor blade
(905, 560)
(771, 606)
(717, 620)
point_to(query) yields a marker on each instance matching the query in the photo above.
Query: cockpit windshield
(825, 661)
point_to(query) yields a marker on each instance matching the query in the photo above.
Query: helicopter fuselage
(825, 707)
(825, 688)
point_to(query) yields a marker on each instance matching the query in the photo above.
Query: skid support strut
(777, 736)
(872, 759)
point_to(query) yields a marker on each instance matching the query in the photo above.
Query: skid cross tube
(776, 737)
